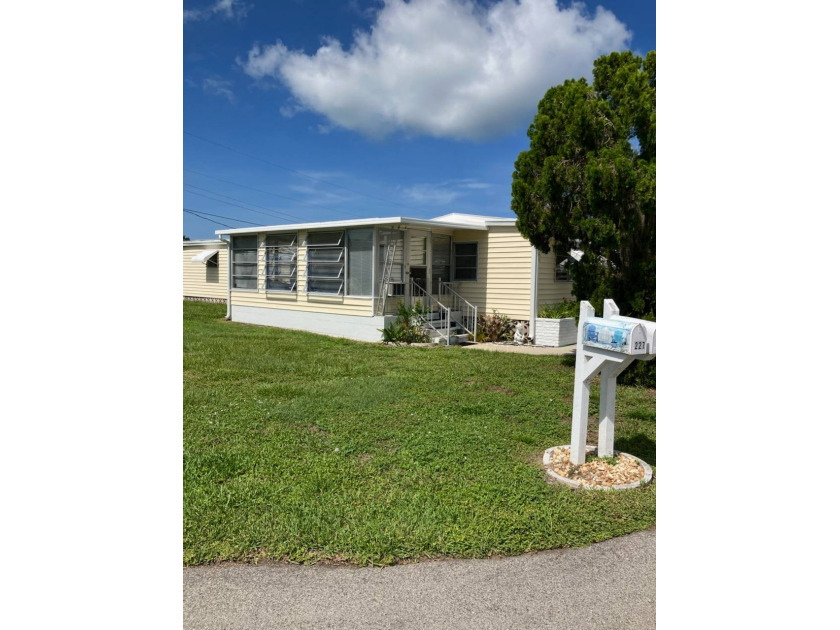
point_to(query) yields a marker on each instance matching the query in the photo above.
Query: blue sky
(315, 111)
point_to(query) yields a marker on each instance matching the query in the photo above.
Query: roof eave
(407, 221)
(206, 241)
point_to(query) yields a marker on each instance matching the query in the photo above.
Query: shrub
(640, 373)
(408, 327)
(563, 308)
(495, 327)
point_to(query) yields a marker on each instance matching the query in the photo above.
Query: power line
(210, 220)
(236, 205)
(267, 192)
(221, 217)
(301, 173)
(271, 213)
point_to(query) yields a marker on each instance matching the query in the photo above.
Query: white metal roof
(204, 255)
(209, 241)
(474, 219)
(454, 220)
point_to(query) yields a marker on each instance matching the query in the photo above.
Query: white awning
(204, 256)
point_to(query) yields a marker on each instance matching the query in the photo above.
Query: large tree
(588, 182)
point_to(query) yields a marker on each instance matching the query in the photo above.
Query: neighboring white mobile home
(345, 278)
(206, 270)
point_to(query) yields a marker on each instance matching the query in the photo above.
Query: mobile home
(346, 278)
(206, 270)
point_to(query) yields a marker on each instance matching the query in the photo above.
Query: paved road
(608, 585)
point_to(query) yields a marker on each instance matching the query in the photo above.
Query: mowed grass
(305, 448)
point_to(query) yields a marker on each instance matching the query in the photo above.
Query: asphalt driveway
(607, 585)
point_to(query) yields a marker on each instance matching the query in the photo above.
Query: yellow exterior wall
(504, 272)
(299, 301)
(549, 291)
(205, 281)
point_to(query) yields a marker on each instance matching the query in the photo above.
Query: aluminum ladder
(390, 254)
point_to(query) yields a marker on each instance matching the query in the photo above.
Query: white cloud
(325, 174)
(443, 193)
(290, 111)
(226, 9)
(218, 87)
(446, 68)
(319, 194)
(431, 194)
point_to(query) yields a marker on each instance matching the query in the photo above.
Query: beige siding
(504, 272)
(549, 291)
(302, 302)
(205, 281)
(299, 301)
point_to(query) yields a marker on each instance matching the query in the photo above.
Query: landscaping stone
(628, 472)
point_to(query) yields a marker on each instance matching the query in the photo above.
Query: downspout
(535, 273)
(230, 268)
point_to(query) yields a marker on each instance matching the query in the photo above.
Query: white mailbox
(607, 346)
(650, 330)
(626, 337)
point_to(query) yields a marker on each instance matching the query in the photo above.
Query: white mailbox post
(608, 345)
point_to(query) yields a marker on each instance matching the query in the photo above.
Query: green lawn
(303, 448)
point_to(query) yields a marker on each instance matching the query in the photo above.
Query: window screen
(281, 262)
(561, 268)
(466, 261)
(360, 262)
(244, 262)
(325, 262)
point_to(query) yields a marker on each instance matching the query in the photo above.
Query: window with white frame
(561, 268)
(466, 261)
(281, 262)
(244, 265)
(325, 263)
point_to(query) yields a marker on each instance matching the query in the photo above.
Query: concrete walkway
(493, 347)
(607, 585)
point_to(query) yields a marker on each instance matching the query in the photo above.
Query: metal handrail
(469, 317)
(431, 306)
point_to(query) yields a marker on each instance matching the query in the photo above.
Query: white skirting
(347, 326)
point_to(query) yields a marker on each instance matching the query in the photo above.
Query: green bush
(408, 327)
(495, 327)
(640, 373)
(563, 308)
